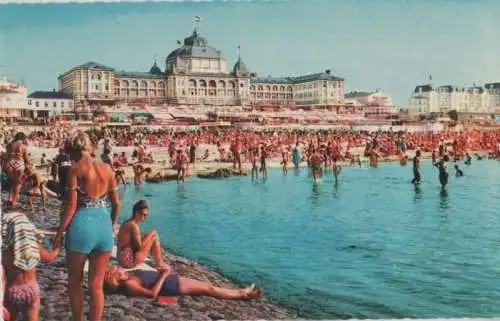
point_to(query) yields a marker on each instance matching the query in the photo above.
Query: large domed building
(197, 74)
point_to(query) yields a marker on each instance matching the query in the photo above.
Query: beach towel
(19, 234)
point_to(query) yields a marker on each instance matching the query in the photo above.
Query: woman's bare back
(93, 177)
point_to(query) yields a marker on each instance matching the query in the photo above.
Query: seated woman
(134, 247)
(21, 253)
(168, 283)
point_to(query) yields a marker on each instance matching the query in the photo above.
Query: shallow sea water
(371, 247)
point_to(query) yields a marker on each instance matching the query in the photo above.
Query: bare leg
(18, 182)
(76, 263)
(98, 262)
(151, 245)
(33, 314)
(194, 287)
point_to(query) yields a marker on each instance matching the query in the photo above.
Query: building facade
(427, 99)
(12, 99)
(373, 103)
(50, 103)
(314, 89)
(196, 74)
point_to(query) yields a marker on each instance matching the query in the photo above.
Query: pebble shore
(53, 280)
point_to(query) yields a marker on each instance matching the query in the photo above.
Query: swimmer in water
(336, 164)
(442, 165)
(468, 159)
(316, 160)
(285, 158)
(254, 157)
(404, 160)
(459, 172)
(416, 168)
(263, 161)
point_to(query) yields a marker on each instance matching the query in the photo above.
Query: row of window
(54, 104)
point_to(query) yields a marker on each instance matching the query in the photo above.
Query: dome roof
(240, 66)
(155, 70)
(195, 46)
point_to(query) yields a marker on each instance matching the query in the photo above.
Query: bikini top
(85, 200)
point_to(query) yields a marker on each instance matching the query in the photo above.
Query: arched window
(252, 87)
(125, 84)
(192, 83)
(161, 84)
(282, 88)
(203, 83)
(144, 84)
(260, 87)
(275, 88)
(222, 84)
(135, 84)
(268, 88)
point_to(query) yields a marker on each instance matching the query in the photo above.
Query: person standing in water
(254, 158)
(263, 158)
(316, 161)
(296, 156)
(416, 168)
(336, 163)
(458, 171)
(442, 166)
(284, 161)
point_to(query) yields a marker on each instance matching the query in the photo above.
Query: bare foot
(251, 292)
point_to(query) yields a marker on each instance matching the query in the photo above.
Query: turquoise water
(371, 247)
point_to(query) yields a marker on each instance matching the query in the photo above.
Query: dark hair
(20, 136)
(140, 205)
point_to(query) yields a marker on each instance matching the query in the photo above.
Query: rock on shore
(53, 280)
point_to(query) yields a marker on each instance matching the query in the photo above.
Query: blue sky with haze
(387, 44)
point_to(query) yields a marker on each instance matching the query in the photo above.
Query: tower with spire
(240, 69)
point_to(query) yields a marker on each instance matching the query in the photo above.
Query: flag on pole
(197, 19)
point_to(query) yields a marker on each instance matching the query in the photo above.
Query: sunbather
(168, 283)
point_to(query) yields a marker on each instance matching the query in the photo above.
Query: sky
(391, 45)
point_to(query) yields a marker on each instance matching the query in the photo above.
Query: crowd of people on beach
(86, 183)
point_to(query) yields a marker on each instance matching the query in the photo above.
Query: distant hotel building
(50, 103)
(196, 74)
(427, 99)
(372, 103)
(12, 99)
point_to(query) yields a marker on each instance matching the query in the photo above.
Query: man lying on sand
(168, 283)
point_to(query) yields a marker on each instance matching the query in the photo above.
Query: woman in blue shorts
(89, 224)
